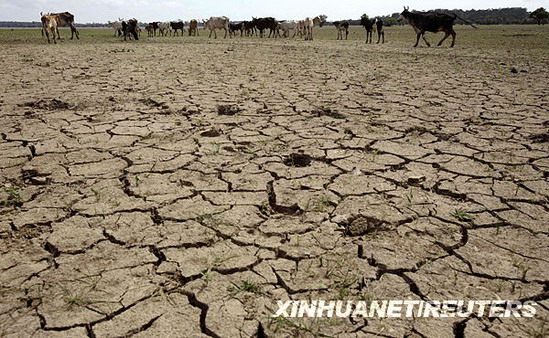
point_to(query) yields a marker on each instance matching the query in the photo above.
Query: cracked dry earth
(181, 189)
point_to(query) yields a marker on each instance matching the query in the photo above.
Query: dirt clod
(362, 225)
(228, 109)
(298, 160)
(45, 104)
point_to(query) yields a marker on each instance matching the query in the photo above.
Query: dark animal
(177, 25)
(149, 29)
(249, 28)
(193, 27)
(432, 22)
(380, 31)
(368, 24)
(342, 26)
(266, 23)
(154, 26)
(129, 28)
(234, 28)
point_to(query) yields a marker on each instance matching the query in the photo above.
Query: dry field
(180, 186)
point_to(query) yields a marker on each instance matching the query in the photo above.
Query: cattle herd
(131, 29)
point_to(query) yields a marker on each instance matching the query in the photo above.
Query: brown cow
(65, 19)
(193, 28)
(49, 25)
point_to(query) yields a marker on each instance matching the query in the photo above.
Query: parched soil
(181, 189)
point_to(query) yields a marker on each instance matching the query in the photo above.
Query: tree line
(500, 16)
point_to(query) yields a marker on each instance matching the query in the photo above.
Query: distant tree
(540, 15)
(390, 21)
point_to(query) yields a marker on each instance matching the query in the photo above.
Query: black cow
(380, 31)
(342, 26)
(266, 23)
(432, 22)
(368, 24)
(177, 25)
(154, 26)
(130, 27)
(235, 27)
(249, 28)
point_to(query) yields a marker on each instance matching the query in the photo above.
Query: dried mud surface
(186, 187)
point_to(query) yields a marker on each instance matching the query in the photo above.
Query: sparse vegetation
(462, 215)
(244, 286)
(14, 196)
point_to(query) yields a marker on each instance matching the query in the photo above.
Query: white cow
(287, 26)
(164, 28)
(300, 29)
(309, 25)
(117, 27)
(220, 22)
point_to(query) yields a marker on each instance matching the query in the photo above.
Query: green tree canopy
(540, 15)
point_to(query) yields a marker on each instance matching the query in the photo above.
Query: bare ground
(181, 189)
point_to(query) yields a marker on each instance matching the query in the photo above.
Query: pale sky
(87, 11)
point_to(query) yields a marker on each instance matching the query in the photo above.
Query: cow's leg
(424, 39)
(453, 33)
(57, 30)
(225, 33)
(417, 41)
(346, 34)
(446, 35)
(76, 32)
